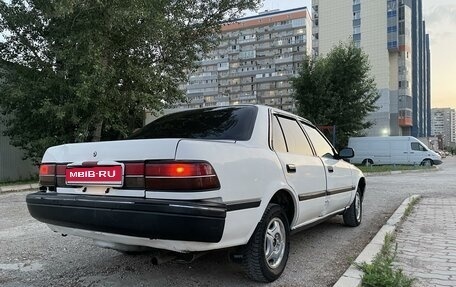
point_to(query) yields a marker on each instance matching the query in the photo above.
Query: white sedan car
(200, 180)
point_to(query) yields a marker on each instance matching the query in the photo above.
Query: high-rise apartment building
(453, 127)
(392, 33)
(443, 123)
(254, 61)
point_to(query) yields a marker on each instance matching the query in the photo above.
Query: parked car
(200, 180)
(404, 150)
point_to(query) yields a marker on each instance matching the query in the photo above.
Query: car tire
(266, 253)
(354, 214)
(427, 162)
(367, 162)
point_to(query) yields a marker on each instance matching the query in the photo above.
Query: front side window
(295, 138)
(321, 145)
(418, 147)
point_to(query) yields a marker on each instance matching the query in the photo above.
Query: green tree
(87, 70)
(337, 90)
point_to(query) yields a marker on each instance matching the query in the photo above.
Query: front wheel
(426, 162)
(266, 253)
(353, 215)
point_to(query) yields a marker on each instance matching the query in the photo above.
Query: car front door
(417, 153)
(340, 185)
(303, 171)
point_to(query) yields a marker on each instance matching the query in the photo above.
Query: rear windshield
(218, 123)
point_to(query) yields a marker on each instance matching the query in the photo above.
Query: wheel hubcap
(358, 207)
(274, 242)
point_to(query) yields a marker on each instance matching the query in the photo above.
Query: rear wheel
(266, 253)
(353, 215)
(367, 162)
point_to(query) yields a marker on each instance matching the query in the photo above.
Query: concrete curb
(21, 187)
(352, 277)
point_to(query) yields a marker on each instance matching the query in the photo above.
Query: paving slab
(426, 243)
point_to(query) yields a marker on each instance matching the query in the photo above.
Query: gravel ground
(32, 255)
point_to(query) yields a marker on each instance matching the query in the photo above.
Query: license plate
(94, 175)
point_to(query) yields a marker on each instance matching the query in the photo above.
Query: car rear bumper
(139, 217)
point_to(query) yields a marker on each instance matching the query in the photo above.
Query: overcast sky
(440, 19)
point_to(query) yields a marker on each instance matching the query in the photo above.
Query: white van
(392, 150)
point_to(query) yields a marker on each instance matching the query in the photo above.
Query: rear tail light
(52, 175)
(134, 176)
(47, 175)
(60, 174)
(180, 176)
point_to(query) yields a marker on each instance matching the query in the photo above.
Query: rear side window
(294, 136)
(219, 123)
(278, 142)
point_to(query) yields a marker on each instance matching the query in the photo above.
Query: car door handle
(330, 169)
(291, 168)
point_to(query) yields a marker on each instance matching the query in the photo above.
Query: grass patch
(380, 273)
(410, 206)
(386, 168)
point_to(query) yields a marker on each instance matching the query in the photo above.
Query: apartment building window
(299, 39)
(357, 37)
(401, 13)
(247, 54)
(401, 28)
(356, 15)
(392, 14)
(392, 44)
(356, 11)
(392, 5)
(356, 29)
(392, 29)
(356, 2)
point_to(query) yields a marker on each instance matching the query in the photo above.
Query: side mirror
(347, 152)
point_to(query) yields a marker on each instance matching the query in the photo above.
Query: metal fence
(12, 165)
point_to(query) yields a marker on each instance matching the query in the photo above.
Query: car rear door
(304, 172)
(340, 185)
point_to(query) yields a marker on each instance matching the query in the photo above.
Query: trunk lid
(126, 150)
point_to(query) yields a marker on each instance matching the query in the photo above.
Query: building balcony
(405, 122)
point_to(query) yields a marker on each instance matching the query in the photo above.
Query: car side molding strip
(313, 195)
(239, 205)
(340, 190)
